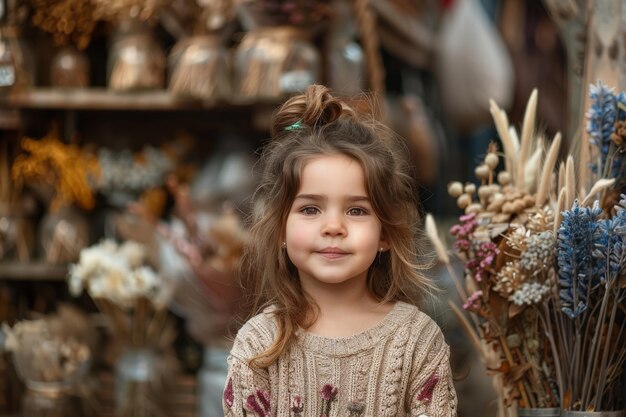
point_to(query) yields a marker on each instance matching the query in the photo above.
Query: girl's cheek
(299, 237)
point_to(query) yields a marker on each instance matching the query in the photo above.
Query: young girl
(332, 258)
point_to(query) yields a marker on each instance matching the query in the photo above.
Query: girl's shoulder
(419, 323)
(259, 331)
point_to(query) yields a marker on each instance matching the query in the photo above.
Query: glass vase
(136, 384)
(199, 68)
(136, 60)
(272, 62)
(63, 234)
(16, 236)
(13, 72)
(49, 403)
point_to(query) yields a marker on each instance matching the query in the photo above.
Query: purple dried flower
(473, 301)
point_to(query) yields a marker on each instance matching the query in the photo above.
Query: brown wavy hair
(306, 126)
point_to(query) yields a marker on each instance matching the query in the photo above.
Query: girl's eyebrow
(317, 197)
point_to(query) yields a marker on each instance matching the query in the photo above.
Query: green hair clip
(297, 125)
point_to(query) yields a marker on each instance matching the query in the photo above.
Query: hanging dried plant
(67, 169)
(116, 10)
(68, 21)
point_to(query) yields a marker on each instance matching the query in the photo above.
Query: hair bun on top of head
(315, 107)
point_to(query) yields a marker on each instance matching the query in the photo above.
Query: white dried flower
(529, 293)
(116, 273)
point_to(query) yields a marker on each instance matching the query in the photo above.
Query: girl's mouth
(332, 253)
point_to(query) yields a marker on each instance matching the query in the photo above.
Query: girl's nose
(334, 225)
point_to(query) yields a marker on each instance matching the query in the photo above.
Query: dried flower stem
(546, 174)
(525, 145)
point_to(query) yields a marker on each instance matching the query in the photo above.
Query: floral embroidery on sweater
(356, 408)
(258, 403)
(426, 394)
(329, 395)
(229, 395)
(297, 406)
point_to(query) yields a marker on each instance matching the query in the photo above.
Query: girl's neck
(345, 312)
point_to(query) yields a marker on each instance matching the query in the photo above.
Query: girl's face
(332, 233)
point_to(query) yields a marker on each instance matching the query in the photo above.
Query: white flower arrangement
(130, 293)
(116, 273)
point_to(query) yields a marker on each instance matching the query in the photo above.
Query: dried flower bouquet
(46, 356)
(544, 265)
(127, 291)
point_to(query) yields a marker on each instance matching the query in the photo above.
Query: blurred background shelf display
(105, 99)
(32, 271)
(140, 122)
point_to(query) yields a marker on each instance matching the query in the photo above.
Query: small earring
(284, 244)
(381, 249)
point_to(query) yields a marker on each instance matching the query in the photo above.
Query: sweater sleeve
(247, 390)
(431, 389)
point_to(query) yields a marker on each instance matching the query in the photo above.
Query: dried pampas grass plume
(546, 174)
(431, 231)
(526, 139)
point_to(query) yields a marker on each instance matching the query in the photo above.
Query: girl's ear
(383, 244)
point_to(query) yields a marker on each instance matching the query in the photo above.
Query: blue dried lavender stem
(575, 261)
(601, 119)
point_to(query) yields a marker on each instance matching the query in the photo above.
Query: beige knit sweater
(399, 367)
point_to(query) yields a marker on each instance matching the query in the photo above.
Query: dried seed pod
(507, 207)
(529, 200)
(470, 188)
(518, 206)
(497, 200)
(473, 208)
(504, 177)
(491, 160)
(463, 201)
(482, 172)
(455, 189)
(484, 191)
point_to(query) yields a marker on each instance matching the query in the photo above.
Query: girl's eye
(309, 210)
(357, 211)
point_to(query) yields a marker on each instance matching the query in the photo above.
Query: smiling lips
(332, 253)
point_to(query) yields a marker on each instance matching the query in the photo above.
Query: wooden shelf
(32, 271)
(104, 99)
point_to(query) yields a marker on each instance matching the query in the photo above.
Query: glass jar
(272, 62)
(48, 393)
(199, 68)
(12, 66)
(346, 65)
(136, 60)
(16, 235)
(136, 382)
(63, 234)
(69, 68)
(49, 403)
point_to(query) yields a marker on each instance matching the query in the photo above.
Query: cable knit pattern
(399, 367)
